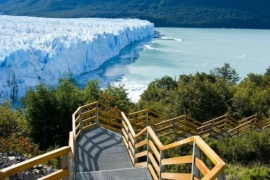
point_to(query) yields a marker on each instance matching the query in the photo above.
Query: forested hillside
(181, 13)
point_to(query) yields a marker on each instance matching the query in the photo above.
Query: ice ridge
(34, 50)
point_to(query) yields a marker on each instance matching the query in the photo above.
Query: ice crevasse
(34, 50)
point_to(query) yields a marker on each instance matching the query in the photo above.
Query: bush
(252, 147)
(18, 144)
(12, 121)
(240, 172)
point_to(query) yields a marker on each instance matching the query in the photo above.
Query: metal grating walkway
(101, 154)
(117, 174)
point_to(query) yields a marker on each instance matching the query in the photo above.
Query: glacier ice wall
(34, 50)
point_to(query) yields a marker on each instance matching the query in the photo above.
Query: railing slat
(201, 166)
(152, 172)
(177, 143)
(176, 175)
(60, 174)
(177, 160)
(34, 161)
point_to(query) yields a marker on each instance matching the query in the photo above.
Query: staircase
(105, 144)
(101, 154)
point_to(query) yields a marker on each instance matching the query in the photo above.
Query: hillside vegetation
(46, 112)
(181, 13)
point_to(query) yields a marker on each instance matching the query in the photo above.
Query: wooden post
(65, 164)
(135, 151)
(97, 113)
(161, 168)
(147, 150)
(174, 129)
(196, 153)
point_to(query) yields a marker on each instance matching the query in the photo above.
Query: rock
(11, 158)
(28, 176)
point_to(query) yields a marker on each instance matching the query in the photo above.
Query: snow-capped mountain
(43, 49)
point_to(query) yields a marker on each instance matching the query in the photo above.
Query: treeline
(205, 96)
(182, 13)
(45, 119)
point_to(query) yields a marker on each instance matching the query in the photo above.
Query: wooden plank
(201, 166)
(110, 128)
(131, 139)
(154, 137)
(79, 132)
(125, 142)
(109, 107)
(215, 172)
(125, 134)
(169, 120)
(89, 105)
(190, 124)
(177, 143)
(77, 119)
(184, 176)
(77, 127)
(141, 132)
(137, 112)
(141, 143)
(100, 118)
(177, 160)
(215, 119)
(152, 172)
(141, 164)
(154, 149)
(124, 126)
(60, 174)
(71, 142)
(131, 157)
(185, 128)
(131, 148)
(164, 128)
(111, 115)
(89, 112)
(154, 163)
(89, 127)
(194, 121)
(208, 151)
(155, 120)
(34, 161)
(141, 154)
(167, 133)
(128, 124)
(89, 119)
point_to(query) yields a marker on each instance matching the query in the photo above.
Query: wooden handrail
(155, 149)
(6, 172)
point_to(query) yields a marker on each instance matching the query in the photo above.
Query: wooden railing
(246, 124)
(143, 118)
(217, 127)
(265, 124)
(143, 144)
(93, 114)
(146, 150)
(67, 164)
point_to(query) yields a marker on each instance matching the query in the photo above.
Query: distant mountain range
(173, 13)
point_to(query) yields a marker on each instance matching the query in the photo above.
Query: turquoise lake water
(185, 51)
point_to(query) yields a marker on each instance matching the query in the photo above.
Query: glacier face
(34, 50)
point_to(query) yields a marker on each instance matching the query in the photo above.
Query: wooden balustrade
(64, 152)
(145, 149)
(143, 144)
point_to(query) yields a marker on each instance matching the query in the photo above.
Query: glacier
(34, 49)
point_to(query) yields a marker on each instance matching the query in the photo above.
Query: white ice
(43, 49)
